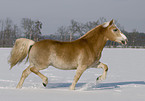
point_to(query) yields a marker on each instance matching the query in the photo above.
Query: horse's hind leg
(25, 73)
(44, 78)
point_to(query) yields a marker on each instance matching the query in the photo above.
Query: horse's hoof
(44, 84)
(101, 78)
(72, 87)
(19, 87)
(97, 79)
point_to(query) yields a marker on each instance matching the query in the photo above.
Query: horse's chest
(96, 60)
(95, 64)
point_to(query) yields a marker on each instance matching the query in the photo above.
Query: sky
(55, 13)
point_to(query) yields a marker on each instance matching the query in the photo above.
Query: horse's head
(113, 33)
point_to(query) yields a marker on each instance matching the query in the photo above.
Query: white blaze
(123, 36)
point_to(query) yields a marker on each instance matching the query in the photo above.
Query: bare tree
(73, 28)
(8, 32)
(37, 30)
(32, 29)
(63, 32)
(27, 25)
(101, 20)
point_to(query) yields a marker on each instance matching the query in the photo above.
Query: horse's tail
(20, 50)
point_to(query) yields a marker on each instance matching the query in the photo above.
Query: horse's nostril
(123, 42)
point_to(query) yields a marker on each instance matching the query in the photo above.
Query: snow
(125, 80)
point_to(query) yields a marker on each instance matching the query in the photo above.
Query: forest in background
(31, 29)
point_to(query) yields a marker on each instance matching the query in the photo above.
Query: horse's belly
(65, 65)
(64, 60)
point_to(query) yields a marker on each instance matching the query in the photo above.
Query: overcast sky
(56, 13)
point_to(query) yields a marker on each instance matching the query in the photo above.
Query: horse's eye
(115, 30)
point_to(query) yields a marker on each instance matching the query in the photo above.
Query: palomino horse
(80, 54)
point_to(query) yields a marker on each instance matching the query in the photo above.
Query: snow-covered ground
(125, 80)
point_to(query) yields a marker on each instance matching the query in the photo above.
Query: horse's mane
(91, 32)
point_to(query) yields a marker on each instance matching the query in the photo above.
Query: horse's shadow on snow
(114, 85)
(97, 86)
(62, 85)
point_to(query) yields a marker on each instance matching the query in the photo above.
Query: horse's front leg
(105, 68)
(79, 72)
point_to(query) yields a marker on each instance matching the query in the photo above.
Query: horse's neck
(96, 39)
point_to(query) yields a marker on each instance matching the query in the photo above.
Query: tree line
(31, 29)
(9, 31)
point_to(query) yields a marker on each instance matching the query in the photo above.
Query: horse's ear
(111, 22)
(106, 24)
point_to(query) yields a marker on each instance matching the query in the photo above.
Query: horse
(78, 55)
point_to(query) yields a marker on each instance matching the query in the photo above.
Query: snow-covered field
(125, 80)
